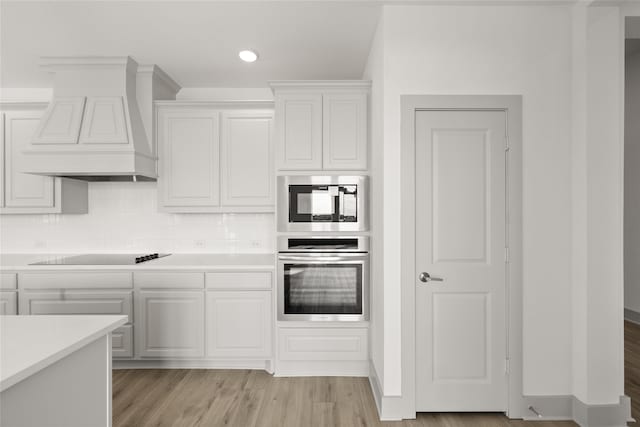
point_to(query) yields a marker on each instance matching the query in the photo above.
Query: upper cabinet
(321, 125)
(299, 123)
(189, 147)
(247, 159)
(22, 193)
(215, 157)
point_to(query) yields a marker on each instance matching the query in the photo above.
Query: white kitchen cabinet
(299, 131)
(215, 157)
(321, 125)
(23, 193)
(189, 150)
(170, 324)
(246, 164)
(8, 302)
(122, 342)
(344, 131)
(239, 324)
(73, 301)
(342, 344)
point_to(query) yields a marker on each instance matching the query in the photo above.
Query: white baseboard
(260, 364)
(322, 368)
(602, 415)
(390, 408)
(632, 316)
(543, 408)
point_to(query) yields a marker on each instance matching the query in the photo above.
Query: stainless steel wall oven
(322, 203)
(323, 278)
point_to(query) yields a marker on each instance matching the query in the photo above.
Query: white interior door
(460, 238)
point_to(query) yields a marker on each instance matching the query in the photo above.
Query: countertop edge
(55, 357)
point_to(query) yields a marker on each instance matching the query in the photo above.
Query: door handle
(426, 277)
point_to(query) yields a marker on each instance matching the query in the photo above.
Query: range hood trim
(127, 151)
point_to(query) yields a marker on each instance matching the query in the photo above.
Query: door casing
(512, 106)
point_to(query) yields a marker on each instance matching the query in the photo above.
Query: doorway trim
(512, 106)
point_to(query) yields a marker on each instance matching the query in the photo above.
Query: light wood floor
(245, 398)
(254, 398)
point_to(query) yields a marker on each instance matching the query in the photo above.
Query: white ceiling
(195, 42)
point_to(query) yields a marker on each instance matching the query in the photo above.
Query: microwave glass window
(322, 289)
(315, 203)
(323, 203)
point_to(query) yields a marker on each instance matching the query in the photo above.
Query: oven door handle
(324, 258)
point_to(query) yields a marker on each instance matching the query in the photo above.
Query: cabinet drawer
(239, 280)
(8, 303)
(122, 342)
(77, 302)
(169, 280)
(75, 280)
(323, 344)
(8, 281)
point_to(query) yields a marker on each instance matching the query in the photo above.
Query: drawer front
(239, 280)
(8, 303)
(77, 302)
(75, 280)
(122, 342)
(168, 280)
(323, 344)
(8, 281)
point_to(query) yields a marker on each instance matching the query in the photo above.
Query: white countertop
(197, 261)
(31, 343)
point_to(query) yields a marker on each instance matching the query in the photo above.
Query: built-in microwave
(323, 203)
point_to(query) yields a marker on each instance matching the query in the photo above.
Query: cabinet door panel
(189, 143)
(104, 121)
(299, 131)
(171, 324)
(62, 123)
(122, 342)
(8, 303)
(344, 131)
(64, 301)
(246, 164)
(21, 189)
(239, 324)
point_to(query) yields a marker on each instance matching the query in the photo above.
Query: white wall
(494, 50)
(374, 71)
(123, 217)
(632, 187)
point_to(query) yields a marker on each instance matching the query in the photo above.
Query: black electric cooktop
(102, 259)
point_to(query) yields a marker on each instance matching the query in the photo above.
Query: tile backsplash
(123, 217)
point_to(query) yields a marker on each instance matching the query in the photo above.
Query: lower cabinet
(80, 301)
(122, 342)
(239, 324)
(170, 324)
(8, 302)
(73, 301)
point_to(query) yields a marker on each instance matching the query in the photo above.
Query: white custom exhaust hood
(99, 125)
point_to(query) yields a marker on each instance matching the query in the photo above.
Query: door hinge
(506, 148)
(507, 366)
(507, 255)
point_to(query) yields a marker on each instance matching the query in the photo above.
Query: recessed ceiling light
(248, 55)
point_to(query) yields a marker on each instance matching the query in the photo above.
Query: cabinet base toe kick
(261, 364)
